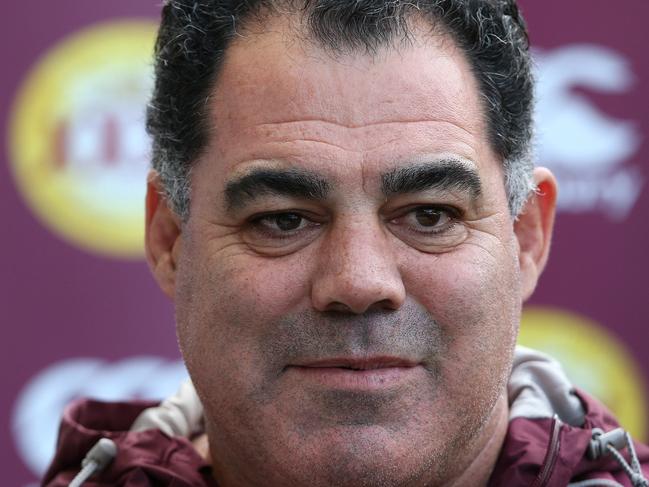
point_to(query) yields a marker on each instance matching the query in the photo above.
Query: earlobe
(533, 229)
(162, 236)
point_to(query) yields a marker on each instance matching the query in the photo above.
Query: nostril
(387, 304)
(338, 306)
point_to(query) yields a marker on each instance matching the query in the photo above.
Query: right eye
(281, 232)
(281, 224)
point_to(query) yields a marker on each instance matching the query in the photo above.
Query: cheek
(474, 295)
(461, 283)
(250, 287)
(224, 303)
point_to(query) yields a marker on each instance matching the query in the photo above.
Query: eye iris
(428, 217)
(288, 221)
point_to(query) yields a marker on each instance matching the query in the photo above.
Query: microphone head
(101, 454)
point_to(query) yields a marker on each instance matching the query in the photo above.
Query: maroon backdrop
(82, 317)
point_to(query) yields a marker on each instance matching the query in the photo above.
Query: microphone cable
(95, 460)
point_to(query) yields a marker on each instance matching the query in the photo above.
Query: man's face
(348, 283)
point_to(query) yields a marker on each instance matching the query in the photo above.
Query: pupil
(428, 217)
(288, 221)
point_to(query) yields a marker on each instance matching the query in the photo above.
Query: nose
(357, 271)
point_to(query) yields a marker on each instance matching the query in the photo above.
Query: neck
(484, 460)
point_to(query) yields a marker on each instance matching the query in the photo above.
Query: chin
(358, 456)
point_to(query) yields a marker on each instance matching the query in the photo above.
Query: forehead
(404, 101)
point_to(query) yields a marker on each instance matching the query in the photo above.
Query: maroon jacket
(536, 452)
(548, 452)
(144, 458)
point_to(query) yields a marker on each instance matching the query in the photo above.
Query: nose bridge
(357, 268)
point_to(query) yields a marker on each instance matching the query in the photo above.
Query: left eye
(431, 229)
(285, 221)
(428, 219)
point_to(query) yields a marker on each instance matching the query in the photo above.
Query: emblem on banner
(38, 409)
(79, 149)
(586, 148)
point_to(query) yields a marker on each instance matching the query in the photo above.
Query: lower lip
(350, 379)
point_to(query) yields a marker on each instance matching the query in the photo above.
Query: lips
(372, 363)
(357, 374)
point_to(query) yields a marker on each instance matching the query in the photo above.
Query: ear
(533, 229)
(162, 236)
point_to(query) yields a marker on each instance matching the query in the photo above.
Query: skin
(361, 276)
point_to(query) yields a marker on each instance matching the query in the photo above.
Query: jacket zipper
(551, 457)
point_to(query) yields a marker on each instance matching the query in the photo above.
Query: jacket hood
(551, 430)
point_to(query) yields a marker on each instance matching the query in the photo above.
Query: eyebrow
(444, 175)
(281, 182)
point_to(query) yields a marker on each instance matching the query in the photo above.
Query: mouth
(358, 374)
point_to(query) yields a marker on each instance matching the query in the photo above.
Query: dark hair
(194, 35)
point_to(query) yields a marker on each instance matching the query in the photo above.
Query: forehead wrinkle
(420, 136)
(298, 79)
(357, 126)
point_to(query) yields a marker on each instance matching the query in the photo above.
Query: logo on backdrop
(585, 147)
(78, 145)
(38, 409)
(593, 358)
